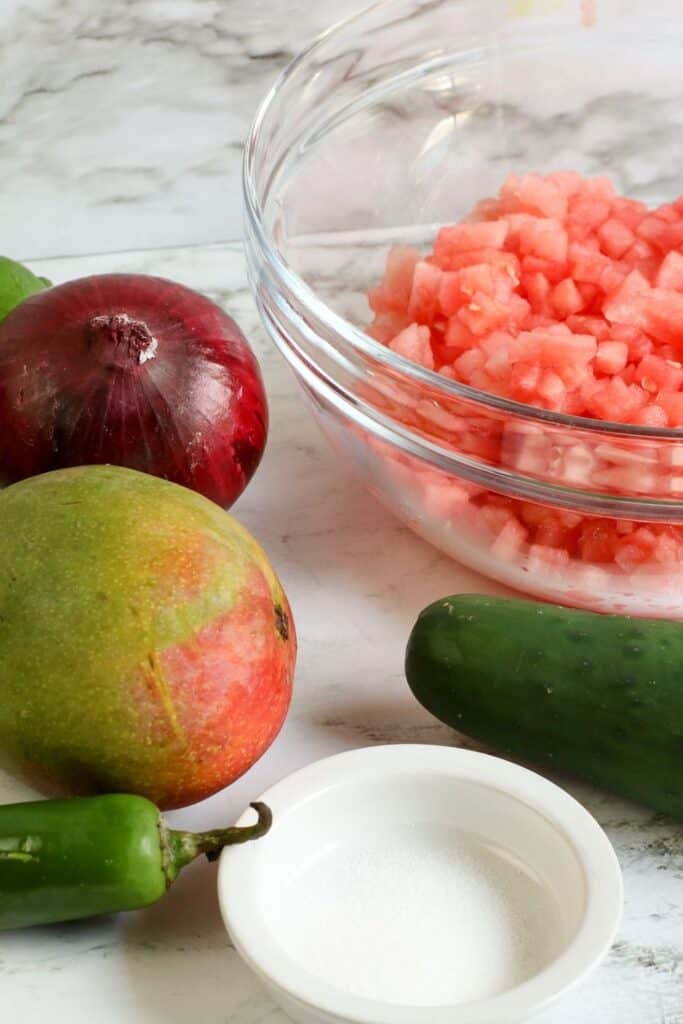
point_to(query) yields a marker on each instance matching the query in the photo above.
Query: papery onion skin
(132, 370)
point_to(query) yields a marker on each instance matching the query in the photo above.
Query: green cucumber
(599, 696)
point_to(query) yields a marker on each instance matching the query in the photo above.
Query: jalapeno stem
(183, 847)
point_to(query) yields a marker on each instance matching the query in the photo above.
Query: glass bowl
(395, 122)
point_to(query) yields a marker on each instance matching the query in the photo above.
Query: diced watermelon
(524, 378)
(661, 312)
(672, 404)
(660, 233)
(482, 314)
(486, 209)
(563, 295)
(566, 299)
(450, 296)
(413, 343)
(577, 465)
(625, 454)
(541, 195)
(470, 361)
(611, 357)
(458, 287)
(615, 238)
(510, 539)
(629, 211)
(498, 363)
(551, 533)
(459, 238)
(394, 292)
(546, 561)
(589, 211)
(594, 325)
(586, 265)
(439, 417)
(629, 557)
(552, 390)
(546, 239)
(667, 213)
(515, 223)
(626, 479)
(568, 182)
(623, 306)
(525, 448)
(650, 416)
(531, 514)
(507, 261)
(550, 350)
(387, 325)
(613, 399)
(599, 188)
(457, 335)
(494, 516)
(494, 341)
(424, 293)
(480, 277)
(537, 288)
(518, 310)
(670, 273)
(554, 272)
(654, 373)
(598, 541)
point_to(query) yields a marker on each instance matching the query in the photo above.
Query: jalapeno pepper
(65, 859)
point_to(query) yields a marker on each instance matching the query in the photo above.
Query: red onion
(131, 370)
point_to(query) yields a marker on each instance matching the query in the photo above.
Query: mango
(146, 644)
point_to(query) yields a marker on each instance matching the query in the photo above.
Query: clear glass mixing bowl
(395, 122)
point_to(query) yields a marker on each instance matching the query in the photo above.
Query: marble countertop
(356, 579)
(125, 137)
(122, 123)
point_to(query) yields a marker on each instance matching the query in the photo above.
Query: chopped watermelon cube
(424, 293)
(546, 239)
(615, 238)
(611, 357)
(459, 238)
(510, 539)
(482, 314)
(414, 343)
(670, 273)
(672, 404)
(588, 211)
(566, 299)
(629, 211)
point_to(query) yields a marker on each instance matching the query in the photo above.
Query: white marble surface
(121, 126)
(356, 579)
(122, 123)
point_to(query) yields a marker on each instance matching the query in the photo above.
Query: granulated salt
(420, 916)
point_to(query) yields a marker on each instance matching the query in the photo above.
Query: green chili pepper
(65, 859)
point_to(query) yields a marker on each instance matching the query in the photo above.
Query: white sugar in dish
(415, 884)
(421, 915)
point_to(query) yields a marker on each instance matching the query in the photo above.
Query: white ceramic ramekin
(507, 807)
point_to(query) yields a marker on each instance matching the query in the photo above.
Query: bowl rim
(242, 912)
(288, 279)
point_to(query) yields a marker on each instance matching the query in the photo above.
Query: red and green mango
(146, 644)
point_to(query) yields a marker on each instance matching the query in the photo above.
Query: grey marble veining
(121, 127)
(122, 123)
(356, 579)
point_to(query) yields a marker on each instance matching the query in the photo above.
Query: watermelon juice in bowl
(465, 233)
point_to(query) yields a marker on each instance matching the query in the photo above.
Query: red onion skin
(135, 371)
